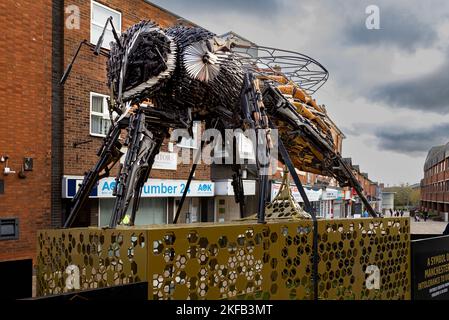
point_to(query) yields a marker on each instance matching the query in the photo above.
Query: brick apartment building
(435, 184)
(26, 129)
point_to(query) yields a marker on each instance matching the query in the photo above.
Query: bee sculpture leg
(143, 146)
(254, 116)
(237, 185)
(109, 154)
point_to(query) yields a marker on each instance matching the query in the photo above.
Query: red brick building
(435, 184)
(26, 128)
(371, 190)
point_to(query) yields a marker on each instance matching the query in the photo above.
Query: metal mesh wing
(308, 73)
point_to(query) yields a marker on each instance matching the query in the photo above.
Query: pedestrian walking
(402, 213)
(426, 214)
(391, 213)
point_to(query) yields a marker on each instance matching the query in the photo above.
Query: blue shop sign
(152, 188)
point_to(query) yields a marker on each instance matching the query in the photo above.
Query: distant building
(241, 44)
(387, 201)
(435, 184)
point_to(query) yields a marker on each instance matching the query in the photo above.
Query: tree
(405, 196)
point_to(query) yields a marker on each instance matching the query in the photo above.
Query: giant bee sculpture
(163, 79)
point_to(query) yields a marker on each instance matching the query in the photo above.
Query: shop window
(98, 15)
(99, 115)
(151, 211)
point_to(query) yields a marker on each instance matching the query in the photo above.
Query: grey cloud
(428, 93)
(399, 27)
(249, 7)
(409, 141)
(350, 131)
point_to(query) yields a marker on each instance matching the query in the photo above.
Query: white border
(118, 28)
(91, 94)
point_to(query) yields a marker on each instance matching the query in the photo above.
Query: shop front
(347, 203)
(159, 202)
(338, 205)
(226, 209)
(328, 197)
(313, 195)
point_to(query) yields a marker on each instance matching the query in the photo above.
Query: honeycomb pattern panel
(357, 259)
(364, 259)
(213, 262)
(80, 259)
(295, 260)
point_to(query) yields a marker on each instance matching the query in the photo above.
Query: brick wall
(25, 130)
(435, 186)
(89, 74)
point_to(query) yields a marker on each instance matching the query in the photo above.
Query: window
(98, 16)
(99, 115)
(9, 229)
(151, 211)
(191, 143)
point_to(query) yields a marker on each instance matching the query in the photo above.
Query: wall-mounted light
(78, 143)
(6, 170)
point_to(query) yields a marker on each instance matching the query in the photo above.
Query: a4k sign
(430, 268)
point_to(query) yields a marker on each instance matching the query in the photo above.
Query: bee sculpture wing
(305, 71)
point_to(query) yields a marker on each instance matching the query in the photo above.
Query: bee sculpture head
(143, 62)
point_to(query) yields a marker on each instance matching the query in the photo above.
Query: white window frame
(104, 114)
(108, 28)
(196, 127)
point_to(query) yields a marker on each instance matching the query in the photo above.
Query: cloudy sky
(388, 89)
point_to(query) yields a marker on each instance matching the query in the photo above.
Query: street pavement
(428, 227)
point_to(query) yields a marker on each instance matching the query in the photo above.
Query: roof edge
(170, 12)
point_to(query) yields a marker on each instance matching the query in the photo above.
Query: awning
(313, 195)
